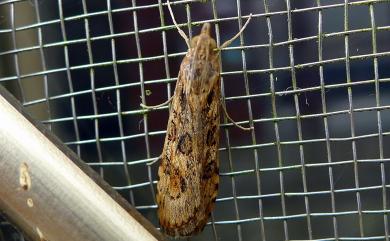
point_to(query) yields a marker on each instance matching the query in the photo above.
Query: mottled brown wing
(188, 173)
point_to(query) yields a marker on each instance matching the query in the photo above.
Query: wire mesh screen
(311, 77)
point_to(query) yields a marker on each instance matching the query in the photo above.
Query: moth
(189, 171)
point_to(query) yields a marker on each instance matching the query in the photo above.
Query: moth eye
(194, 41)
(213, 45)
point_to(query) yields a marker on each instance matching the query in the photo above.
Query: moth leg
(228, 42)
(234, 123)
(154, 161)
(181, 32)
(151, 107)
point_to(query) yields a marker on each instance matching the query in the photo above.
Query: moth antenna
(152, 107)
(153, 161)
(234, 123)
(228, 42)
(181, 32)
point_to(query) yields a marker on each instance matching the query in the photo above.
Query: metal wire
(302, 173)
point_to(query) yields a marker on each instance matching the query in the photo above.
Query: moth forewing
(188, 173)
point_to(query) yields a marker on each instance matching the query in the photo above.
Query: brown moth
(189, 169)
(188, 173)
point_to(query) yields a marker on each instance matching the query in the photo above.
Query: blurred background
(312, 77)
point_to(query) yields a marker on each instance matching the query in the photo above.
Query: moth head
(202, 70)
(203, 43)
